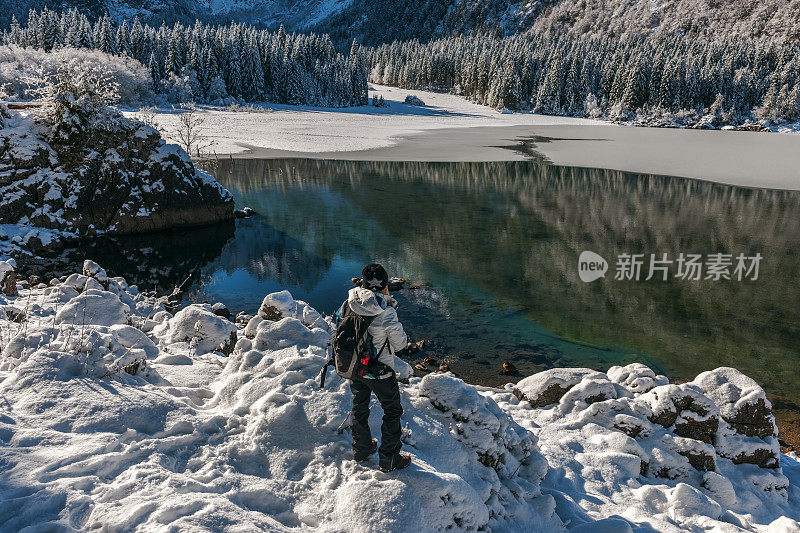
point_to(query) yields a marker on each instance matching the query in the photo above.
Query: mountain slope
(775, 20)
(378, 21)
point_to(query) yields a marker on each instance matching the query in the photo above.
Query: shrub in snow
(25, 71)
(201, 328)
(83, 167)
(413, 100)
(378, 101)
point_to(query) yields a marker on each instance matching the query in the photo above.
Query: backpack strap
(324, 372)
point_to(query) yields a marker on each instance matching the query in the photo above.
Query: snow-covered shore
(305, 129)
(116, 414)
(450, 128)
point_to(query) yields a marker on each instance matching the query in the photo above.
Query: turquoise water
(496, 247)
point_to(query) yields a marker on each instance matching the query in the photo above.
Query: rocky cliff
(85, 169)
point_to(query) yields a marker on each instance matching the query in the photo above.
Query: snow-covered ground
(308, 129)
(450, 128)
(117, 415)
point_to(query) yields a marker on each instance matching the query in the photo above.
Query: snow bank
(190, 440)
(655, 453)
(131, 420)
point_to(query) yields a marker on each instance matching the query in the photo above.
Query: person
(372, 299)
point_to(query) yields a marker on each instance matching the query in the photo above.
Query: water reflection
(499, 244)
(154, 261)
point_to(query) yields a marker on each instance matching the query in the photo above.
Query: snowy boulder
(96, 307)
(742, 403)
(684, 410)
(278, 305)
(481, 425)
(95, 271)
(76, 281)
(636, 377)
(548, 387)
(219, 309)
(590, 390)
(201, 328)
(747, 432)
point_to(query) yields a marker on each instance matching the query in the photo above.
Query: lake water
(497, 247)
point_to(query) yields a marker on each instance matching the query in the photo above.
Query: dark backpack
(353, 351)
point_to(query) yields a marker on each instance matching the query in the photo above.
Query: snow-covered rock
(654, 452)
(94, 306)
(278, 305)
(547, 388)
(636, 377)
(747, 432)
(138, 425)
(74, 167)
(197, 325)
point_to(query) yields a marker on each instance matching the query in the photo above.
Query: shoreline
(449, 128)
(737, 158)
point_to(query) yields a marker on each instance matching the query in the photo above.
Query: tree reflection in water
(499, 244)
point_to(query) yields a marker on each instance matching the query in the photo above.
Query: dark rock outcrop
(114, 176)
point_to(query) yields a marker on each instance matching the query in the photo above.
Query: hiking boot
(363, 457)
(400, 461)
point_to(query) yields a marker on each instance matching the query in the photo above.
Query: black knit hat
(374, 277)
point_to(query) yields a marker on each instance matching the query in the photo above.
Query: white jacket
(384, 326)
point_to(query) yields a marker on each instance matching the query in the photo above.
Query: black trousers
(388, 394)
